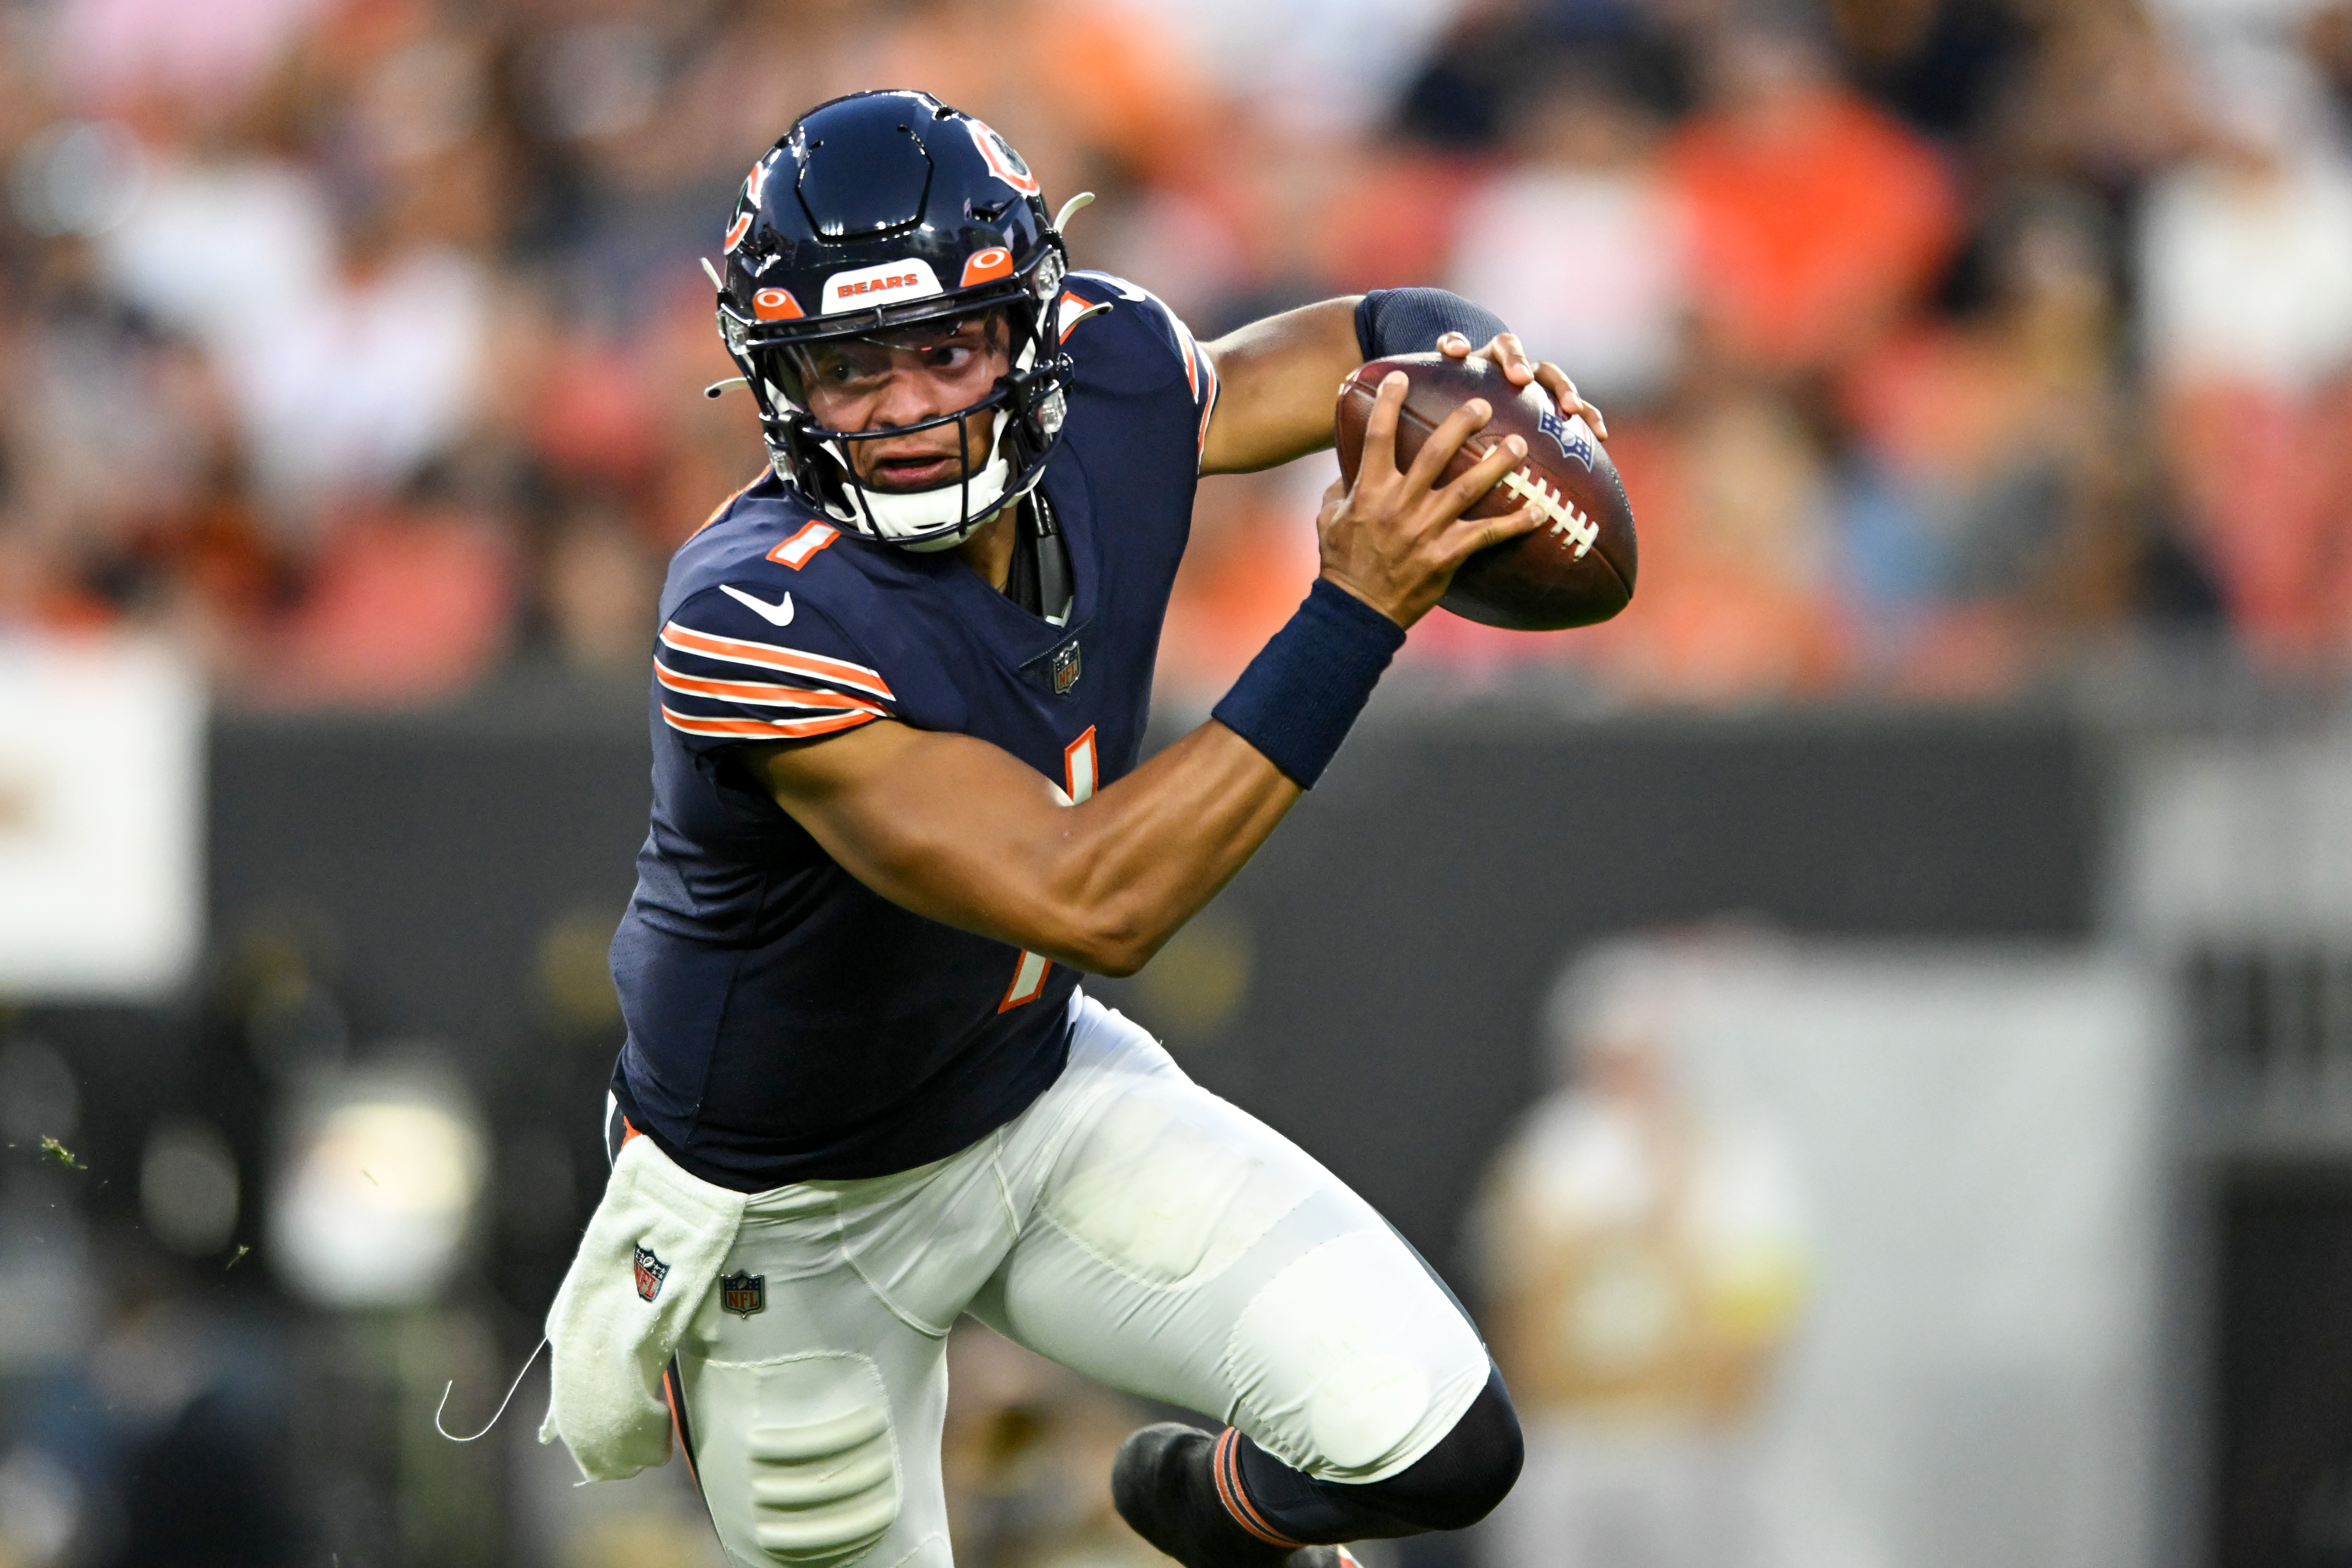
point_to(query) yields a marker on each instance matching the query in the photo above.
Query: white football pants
(1130, 1225)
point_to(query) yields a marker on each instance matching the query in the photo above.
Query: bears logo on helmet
(1001, 159)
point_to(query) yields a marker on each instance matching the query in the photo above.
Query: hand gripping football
(1577, 568)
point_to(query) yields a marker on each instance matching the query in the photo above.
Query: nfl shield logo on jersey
(651, 1272)
(1064, 667)
(744, 1293)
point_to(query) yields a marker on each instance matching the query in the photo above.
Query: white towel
(651, 1254)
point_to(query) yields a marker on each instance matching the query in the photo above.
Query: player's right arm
(962, 832)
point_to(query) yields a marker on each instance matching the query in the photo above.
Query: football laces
(1557, 509)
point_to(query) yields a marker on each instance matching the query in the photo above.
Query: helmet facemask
(1023, 411)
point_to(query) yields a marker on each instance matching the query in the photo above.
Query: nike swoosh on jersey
(774, 615)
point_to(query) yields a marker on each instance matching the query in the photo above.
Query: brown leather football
(1576, 569)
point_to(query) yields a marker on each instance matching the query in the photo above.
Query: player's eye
(837, 369)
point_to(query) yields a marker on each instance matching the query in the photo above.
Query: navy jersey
(785, 1023)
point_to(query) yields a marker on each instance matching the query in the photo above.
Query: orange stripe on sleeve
(764, 693)
(768, 729)
(768, 655)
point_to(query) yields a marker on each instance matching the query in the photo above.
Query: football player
(898, 700)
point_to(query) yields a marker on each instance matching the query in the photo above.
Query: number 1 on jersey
(1078, 775)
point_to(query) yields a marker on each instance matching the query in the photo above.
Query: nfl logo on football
(744, 1293)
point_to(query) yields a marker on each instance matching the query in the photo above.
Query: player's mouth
(914, 469)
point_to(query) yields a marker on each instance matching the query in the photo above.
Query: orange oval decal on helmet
(994, 262)
(775, 305)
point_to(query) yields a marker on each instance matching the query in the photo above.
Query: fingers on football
(1469, 535)
(1563, 392)
(1512, 355)
(1380, 426)
(1485, 475)
(1445, 441)
(1453, 346)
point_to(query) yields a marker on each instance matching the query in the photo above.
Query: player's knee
(1471, 1468)
(823, 1490)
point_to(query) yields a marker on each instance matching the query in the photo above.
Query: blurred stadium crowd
(1949, 344)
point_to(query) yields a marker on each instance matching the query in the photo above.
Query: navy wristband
(1411, 321)
(1299, 696)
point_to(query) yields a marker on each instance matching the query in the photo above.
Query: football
(1574, 570)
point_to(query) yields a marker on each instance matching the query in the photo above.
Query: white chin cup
(903, 517)
(925, 521)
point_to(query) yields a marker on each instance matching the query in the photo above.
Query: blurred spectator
(120, 53)
(1734, 602)
(1646, 1263)
(411, 600)
(320, 259)
(1988, 507)
(1478, 76)
(2102, 100)
(600, 583)
(2247, 258)
(349, 372)
(2327, 38)
(1578, 244)
(1325, 68)
(1936, 63)
(1816, 218)
(1089, 89)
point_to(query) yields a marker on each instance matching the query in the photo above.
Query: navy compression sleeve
(1411, 321)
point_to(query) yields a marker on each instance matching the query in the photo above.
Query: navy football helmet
(873, 213)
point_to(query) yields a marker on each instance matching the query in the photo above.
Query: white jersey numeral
(1079, 773)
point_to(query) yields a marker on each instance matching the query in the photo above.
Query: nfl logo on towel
(743, 1294)
(651, 1272)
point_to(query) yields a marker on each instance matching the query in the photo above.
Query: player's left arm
(1278, 378)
